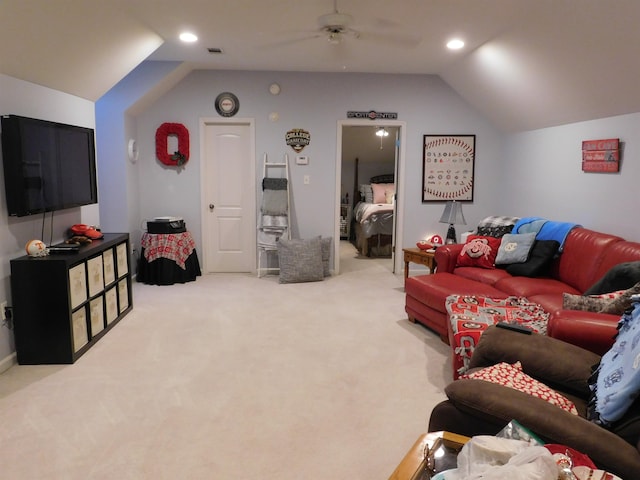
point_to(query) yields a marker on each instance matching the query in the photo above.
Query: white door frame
(399, 179)
(207, 121)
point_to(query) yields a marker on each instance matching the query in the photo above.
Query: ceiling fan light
(334, 38)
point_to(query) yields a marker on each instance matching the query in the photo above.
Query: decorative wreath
(180, 156)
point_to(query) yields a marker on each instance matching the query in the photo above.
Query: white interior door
(228, 196)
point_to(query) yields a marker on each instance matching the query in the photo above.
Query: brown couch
(586, 257)
(476, 407)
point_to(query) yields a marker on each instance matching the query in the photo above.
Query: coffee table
(413, 465)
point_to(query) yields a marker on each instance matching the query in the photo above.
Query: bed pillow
(539, 261)
(379, 191)
(515, 248)
(300, 260)
(390, 196)
(512, 376)
(479, 251)
(366, 193)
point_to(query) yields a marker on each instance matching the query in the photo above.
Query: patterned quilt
(469, 316)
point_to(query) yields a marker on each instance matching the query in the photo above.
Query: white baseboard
(7, 362)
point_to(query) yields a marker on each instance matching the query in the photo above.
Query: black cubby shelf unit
(64, 303)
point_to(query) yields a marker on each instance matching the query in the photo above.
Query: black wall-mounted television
(47, 165)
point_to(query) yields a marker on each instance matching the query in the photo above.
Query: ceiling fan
(336, 26)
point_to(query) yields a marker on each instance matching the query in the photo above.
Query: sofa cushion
(581, 257)
(485, 275)
(512, 376)
(527, 287)
(539, 261)
(479, 251)
(433, 290)
(515, 248)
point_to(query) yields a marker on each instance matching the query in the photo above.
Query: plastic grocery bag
(486, 457)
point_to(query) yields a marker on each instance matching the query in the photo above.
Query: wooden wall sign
(601, 155)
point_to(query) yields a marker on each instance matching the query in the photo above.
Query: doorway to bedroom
(370, 153)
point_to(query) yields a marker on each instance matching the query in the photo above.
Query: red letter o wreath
(179, 157)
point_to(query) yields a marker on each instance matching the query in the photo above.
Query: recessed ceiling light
(188, 37)
(455, 44)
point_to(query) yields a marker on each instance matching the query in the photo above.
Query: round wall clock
(227, 104)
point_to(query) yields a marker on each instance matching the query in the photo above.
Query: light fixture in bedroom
(452, 214)
(382, 132)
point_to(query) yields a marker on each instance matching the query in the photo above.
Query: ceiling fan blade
(392, 38)
(292, 41)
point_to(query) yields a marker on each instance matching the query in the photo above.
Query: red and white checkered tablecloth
(174, 246)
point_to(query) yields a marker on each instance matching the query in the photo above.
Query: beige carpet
(234, 377)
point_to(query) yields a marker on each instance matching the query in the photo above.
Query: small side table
(422, 257)
(412, 466)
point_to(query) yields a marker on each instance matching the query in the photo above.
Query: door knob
(211, 207)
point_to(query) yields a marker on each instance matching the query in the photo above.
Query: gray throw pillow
(300, 260)
(326, 255)
(515, 248)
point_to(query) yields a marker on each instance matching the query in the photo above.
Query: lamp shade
(453, 214)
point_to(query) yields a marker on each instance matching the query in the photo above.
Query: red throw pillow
(479, 251)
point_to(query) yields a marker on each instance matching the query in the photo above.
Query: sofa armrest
(556, 363)
(447, 256)
(494, 402)
(591, 331)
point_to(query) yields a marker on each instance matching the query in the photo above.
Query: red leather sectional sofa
(586, 257)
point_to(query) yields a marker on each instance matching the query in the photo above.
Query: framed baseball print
(447, 167)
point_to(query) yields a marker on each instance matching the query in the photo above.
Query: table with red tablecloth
(470, 315)
(168, 258)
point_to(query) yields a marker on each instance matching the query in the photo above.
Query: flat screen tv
(47, 165)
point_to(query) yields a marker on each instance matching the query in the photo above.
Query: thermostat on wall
(302, 160)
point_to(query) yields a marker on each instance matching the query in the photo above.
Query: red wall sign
(601, 155)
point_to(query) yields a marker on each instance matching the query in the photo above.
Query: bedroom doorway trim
(399, 178)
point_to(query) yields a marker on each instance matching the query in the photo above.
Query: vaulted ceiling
(526, 64)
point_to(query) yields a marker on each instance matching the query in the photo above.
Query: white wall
(315, 102)
(543, 177)
(117, 174)
(30, 100)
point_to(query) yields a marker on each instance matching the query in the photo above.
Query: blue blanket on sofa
(545, 229)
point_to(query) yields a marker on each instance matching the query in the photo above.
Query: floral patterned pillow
(512, 376)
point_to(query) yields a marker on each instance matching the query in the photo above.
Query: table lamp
(452, 214)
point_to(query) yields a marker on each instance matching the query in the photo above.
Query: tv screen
(47, 165)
